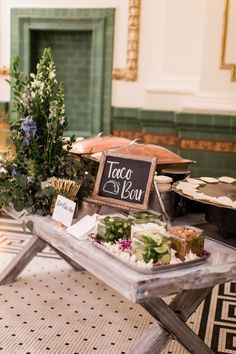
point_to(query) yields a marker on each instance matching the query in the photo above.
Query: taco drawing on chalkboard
(111, 187)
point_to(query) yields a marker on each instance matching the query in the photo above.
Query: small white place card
(64, 210)
(83, 227)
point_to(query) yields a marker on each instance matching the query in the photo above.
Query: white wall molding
(210, 102)
(184, 85)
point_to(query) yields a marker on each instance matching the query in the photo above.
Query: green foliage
(38, 130)
(37, 134)
(113, 228)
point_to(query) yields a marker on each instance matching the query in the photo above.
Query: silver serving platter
(156, 268)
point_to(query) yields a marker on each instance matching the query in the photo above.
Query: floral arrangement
(37, 134)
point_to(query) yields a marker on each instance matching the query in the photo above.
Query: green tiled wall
(192, 126)
(203, 126)
(87, 81)
(210, 163)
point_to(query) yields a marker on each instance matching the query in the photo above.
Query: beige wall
(179, 54)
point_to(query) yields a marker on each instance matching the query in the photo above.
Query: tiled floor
(53, 309)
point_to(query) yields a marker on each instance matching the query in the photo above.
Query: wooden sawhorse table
(191, 284)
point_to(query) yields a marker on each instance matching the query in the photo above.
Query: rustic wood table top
(220, 267)
(190, 284)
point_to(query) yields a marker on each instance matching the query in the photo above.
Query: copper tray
(164, 156)
(157, 268)
(97, 144)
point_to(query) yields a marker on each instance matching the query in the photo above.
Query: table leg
(185, 304)
(72, 263)
(170, 324)
(22, 259)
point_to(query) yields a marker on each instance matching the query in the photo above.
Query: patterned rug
(53, 309)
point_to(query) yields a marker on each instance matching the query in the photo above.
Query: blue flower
(14, 172)
(29, 127)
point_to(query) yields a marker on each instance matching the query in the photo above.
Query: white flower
(52, 75)
(62, 120)
(63, 109)
(3, 170)
(23, 96)
(37, 84)
(29, 178)
(48, 182)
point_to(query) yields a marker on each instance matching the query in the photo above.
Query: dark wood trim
(182, 143)
(208, 145)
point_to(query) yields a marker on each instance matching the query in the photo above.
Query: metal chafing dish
(222, 216)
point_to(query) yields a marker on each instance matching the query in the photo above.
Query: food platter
(156, 268)
(216, 193)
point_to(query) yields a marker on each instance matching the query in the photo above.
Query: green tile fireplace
(82, 46)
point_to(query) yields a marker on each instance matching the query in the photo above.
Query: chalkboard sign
(125, 180)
